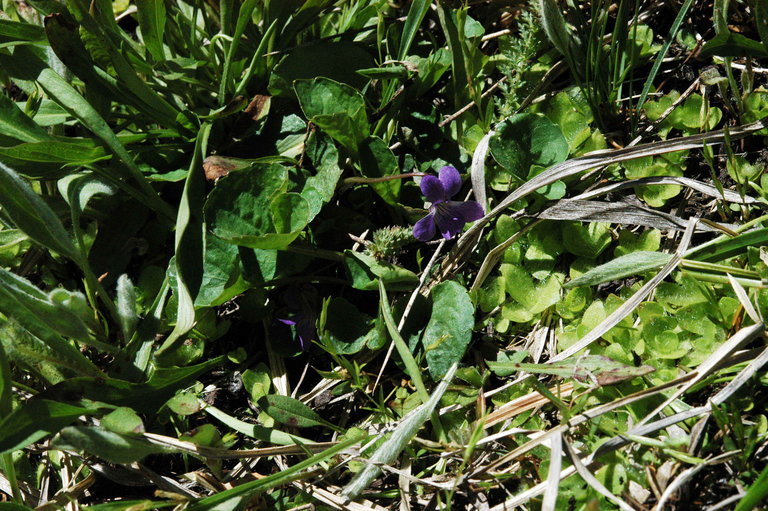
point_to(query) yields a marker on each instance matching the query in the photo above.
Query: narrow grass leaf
(412, 368)
(416, 13)
(631, 264)
(36, 419)
(6, 393)
(126, 307)
(16, 124)
(398, 439)
(729, 247)
(152, 18)
(33, 216)
(756, 493)
(189, 243)
(271, 435)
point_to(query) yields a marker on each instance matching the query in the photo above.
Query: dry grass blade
(580, 419)
(616, 213)
(553, 476)
(693, 184)
(477, 170)
(334, 499)
(741, 294)
(705, 368)
(591, 479)
(523, 404)
(583, 163)
(630, 305)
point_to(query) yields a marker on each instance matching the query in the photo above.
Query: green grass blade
(243, 19)
(756, 493)
(15, 123)
(659, 59)
(152, 15)
(416, 13)
(412, 368)
(33, 216)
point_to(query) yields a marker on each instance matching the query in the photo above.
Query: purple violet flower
(301, 304)
(447, 215)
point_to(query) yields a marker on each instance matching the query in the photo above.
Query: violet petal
(449, 221)
(451, 181)
(469, 210)
(433, 190)
(424, 230)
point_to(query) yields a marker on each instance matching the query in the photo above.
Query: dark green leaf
(337, 109)
(731, 44)
(449, 329)
(338, 61)
(292, 412)
(526, 140)
(377, 160)
(366, 271)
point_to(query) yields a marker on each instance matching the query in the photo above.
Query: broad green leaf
(152, 17)
(123, 420)
(50, 159)
(346, 328)
(107, 445)
(630, 264)
(222, 279)
(449, 329)
(238, 208)
(335, 60)
(290, 213)
(377, 160)
(33, 216)
(184, 403)
(292, 412)
(36, 419)
(586, 240)
(366, 270)
(524, 141)
(337, 109)
(320, 187)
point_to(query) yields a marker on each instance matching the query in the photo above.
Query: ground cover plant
(368, 255)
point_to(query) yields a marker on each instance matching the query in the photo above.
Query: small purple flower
(447, 215)
(301, 304)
